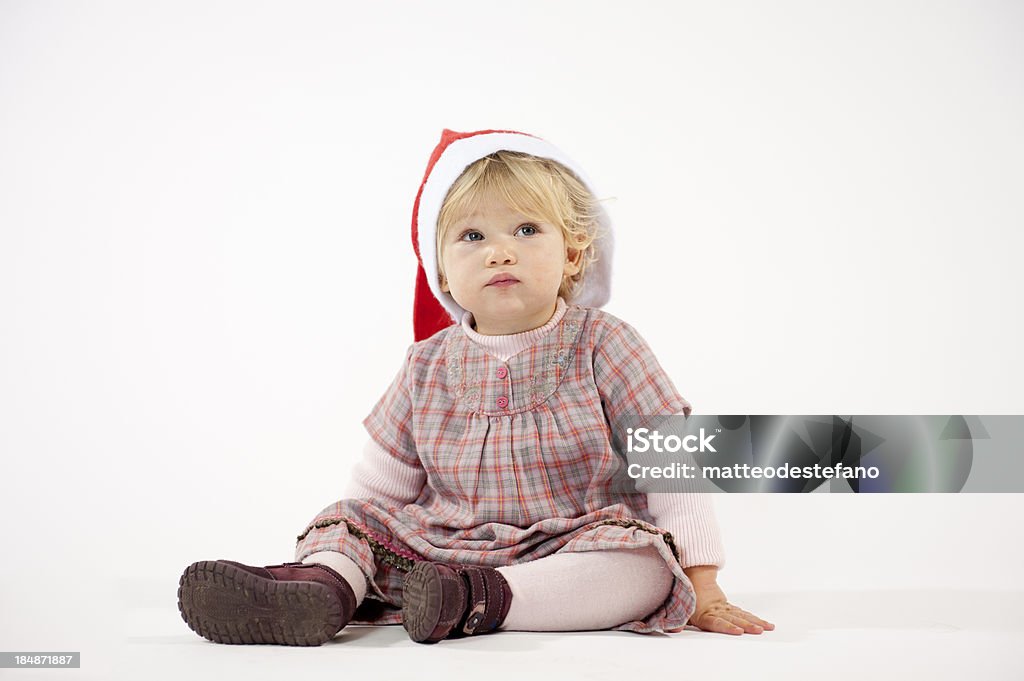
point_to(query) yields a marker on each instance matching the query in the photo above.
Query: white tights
(565, 591)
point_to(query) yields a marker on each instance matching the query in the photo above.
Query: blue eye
(527, 230)
(467, 235)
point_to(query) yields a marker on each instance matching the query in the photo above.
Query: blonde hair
(539, 188)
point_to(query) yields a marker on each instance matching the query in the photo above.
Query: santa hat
(433, 309)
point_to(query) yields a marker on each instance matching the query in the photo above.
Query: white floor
(830, 634)
(865, 587)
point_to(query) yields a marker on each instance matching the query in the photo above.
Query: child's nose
(501, 254)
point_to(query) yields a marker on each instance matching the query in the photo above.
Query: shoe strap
(489, 600)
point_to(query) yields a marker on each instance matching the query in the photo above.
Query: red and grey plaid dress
(519, 460)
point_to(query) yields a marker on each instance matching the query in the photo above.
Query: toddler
(486, 499)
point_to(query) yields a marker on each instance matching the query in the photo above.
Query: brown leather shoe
(294, 604)
(450, 601)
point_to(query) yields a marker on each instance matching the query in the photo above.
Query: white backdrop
(206, 276)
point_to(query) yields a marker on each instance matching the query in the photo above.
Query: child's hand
(714, 612)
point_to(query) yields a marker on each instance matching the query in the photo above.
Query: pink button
(502, 372)
(502, 402)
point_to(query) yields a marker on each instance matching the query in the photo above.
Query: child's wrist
(701, 574)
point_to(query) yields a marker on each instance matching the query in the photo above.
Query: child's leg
(344, 566)
(586, 591)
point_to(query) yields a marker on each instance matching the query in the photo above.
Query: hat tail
(428, 315)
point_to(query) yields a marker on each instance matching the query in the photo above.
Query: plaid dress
(519, 458)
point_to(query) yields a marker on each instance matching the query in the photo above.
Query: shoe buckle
(476, 616)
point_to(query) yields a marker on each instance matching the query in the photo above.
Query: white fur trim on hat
(460, 154)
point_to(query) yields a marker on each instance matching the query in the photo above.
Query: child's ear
(444, 284)
(573, 258)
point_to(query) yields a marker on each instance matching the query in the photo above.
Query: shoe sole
(225, 604)
(421, 601)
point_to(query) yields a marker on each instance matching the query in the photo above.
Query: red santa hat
(434, 310)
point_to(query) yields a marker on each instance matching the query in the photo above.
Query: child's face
(496, 242)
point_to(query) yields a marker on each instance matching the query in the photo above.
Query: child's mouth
(502, 280)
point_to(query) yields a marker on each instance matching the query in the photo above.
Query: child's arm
(690, 517)
(632, 382)
(379, 475)
(390, 469)
(691, 520)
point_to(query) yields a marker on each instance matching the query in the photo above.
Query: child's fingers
(755, 619)
(733, 615)
(735, 621)
(747, 626)
(722, 625)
